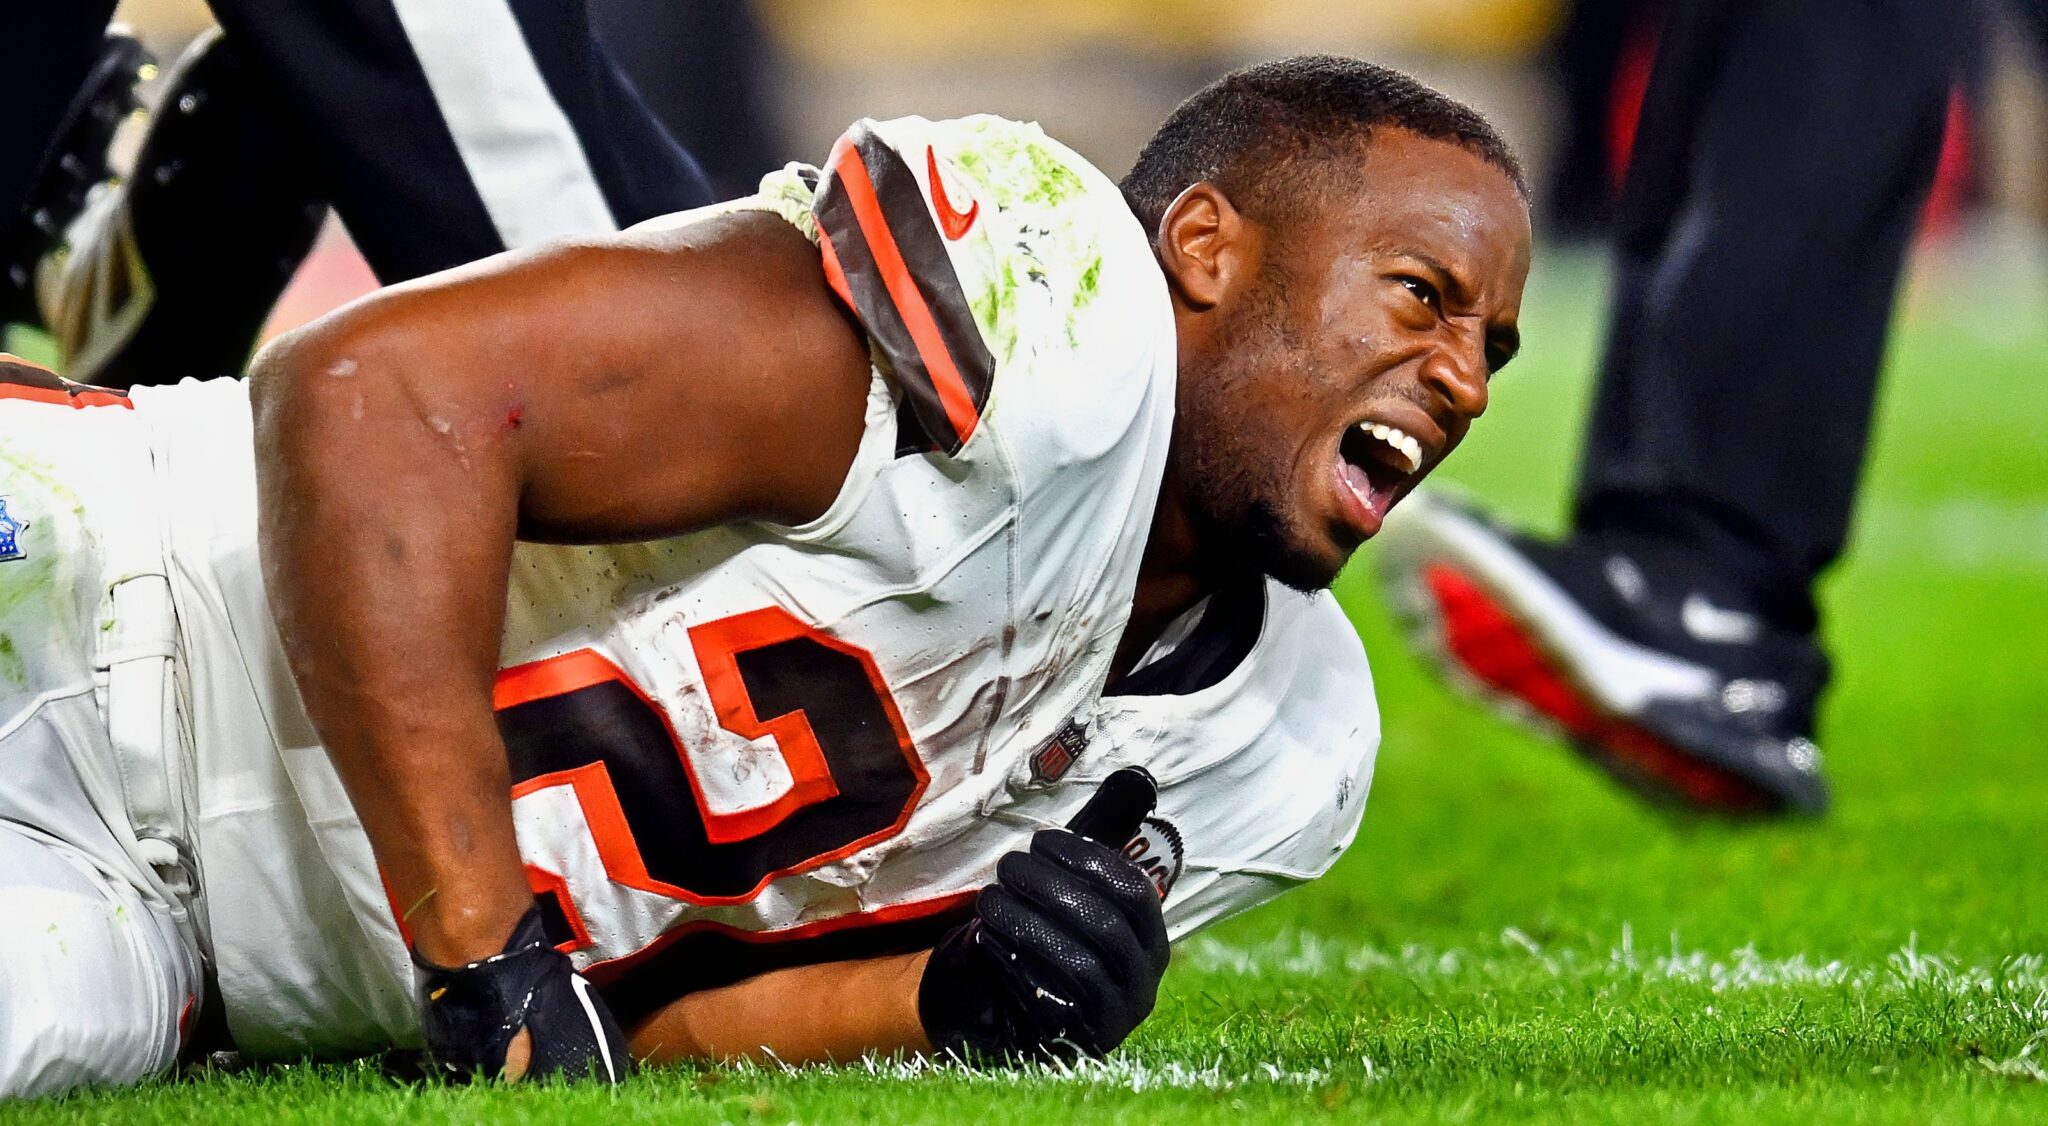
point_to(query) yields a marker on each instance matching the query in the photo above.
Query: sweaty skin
(652, 385)
(832, 1011)
(1393, 301)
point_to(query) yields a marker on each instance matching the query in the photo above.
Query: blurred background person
(706, 70)
(505, 123)
(1601, 59)
(1779, 166)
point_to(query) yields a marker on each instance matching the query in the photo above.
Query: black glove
(1062, 957)
(473, 1013)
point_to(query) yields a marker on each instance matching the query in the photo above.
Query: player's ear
(1206, 246)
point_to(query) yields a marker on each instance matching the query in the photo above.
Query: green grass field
(1512, 939)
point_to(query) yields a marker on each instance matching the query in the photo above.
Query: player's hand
(1062, 957)
(524, 1012)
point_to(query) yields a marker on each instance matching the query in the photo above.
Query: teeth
(1399, 440)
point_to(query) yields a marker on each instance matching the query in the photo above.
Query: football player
(941, 480)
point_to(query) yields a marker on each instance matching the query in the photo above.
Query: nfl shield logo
(1049, 763)
(10, 531)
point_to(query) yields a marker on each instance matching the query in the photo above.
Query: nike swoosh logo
(1714, 624)
(604, 1046)
(954, 223)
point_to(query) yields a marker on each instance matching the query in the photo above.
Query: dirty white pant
(96, 977)
(98, 956)
(93, 979)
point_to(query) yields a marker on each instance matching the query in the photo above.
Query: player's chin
(1305, 552)
(1313, 562)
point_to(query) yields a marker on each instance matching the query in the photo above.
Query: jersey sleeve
(986, 262)
(886, 256)
(981, 256)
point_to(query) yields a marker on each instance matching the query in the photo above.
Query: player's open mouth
(1375, 463)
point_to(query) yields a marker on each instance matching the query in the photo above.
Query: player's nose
(1456, 370)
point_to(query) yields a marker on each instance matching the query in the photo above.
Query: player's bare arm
(635, 389)
(804, 1014)
(1061, 955)
(1068, 918)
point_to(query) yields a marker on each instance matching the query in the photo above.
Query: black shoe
(173, 272)
(1651, 673)
(75, 162)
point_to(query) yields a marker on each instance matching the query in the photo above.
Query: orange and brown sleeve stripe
(886, 258)
(20, 379)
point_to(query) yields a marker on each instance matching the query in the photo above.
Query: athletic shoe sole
(1503, 631)
(173, 273)
(74, 163)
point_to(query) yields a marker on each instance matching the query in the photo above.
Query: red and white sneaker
(75, 164)
(169, 272)
(1678, 696)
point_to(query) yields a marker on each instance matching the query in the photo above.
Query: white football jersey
(763, 745)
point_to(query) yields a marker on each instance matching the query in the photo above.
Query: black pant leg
(703, 68)
(45, 51)
(449, 130)
(1579, 199)
(2033, 17)
(641, 168)
(1784, 151)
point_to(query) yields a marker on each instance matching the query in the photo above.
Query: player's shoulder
(1000, 276)
(983, 178)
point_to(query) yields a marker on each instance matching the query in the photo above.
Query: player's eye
(1423, 292)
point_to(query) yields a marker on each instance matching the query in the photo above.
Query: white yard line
(2024, 1065)
(1304, 954)
(2018, 982)
(1119, 1071)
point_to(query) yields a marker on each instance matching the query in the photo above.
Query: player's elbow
(305, 385)
(368, 389)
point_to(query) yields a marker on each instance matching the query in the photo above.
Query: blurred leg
(449, 130)
(442, 131)
(703, 69)
(172, 273)
(43, 57)
(65, 88)
(2034, 17)
(1785, 149)
(1586, 55)
(1780, 164)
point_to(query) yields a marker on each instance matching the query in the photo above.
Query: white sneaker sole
(1614, 675)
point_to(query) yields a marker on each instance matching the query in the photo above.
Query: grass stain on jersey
(36, 574)
(995, 310)
(1011, 164)
(1085, 292)
(996, 306)
(22, 578)
(1090, 285)
(785, 193)
(1013, 167)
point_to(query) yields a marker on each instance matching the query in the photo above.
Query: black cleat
(173, 272)
(1669, 690)
(75, 163)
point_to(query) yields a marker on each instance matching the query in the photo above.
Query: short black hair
(1261, 133)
